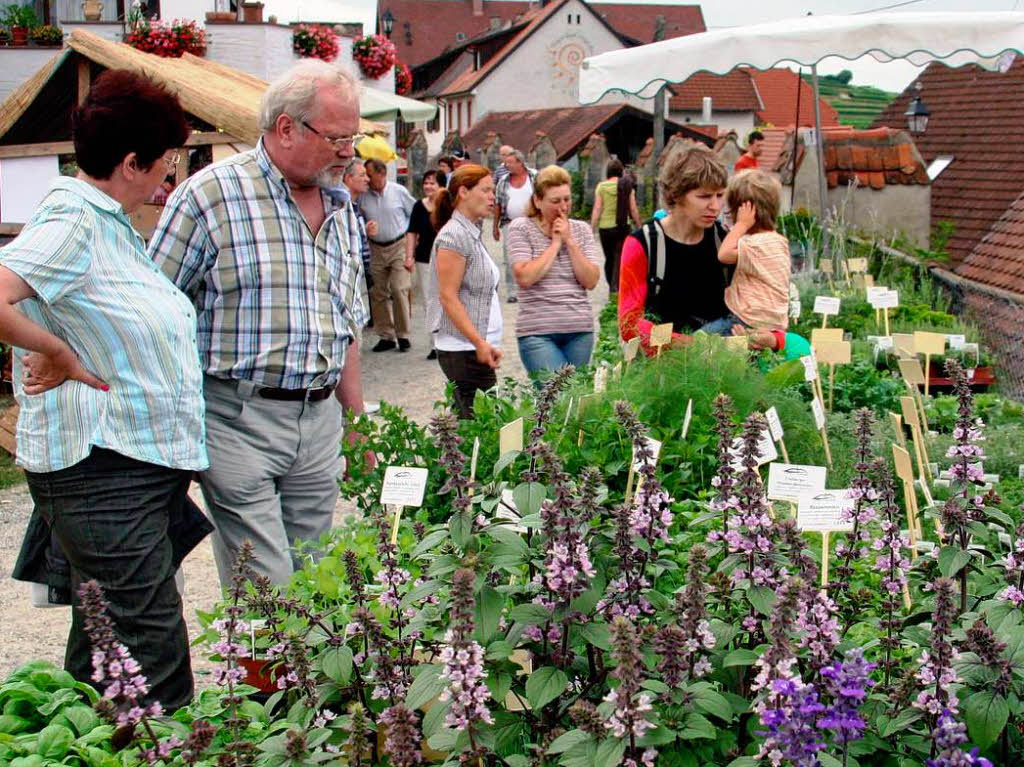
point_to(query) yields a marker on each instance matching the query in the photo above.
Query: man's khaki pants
(391, 285)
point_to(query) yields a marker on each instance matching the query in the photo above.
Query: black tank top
(693, 292)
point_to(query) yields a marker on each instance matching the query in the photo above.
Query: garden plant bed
(583, 596)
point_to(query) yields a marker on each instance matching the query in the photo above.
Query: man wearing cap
(390, 205)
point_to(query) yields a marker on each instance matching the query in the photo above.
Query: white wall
(186, 9)
(543, 72)
(261, 50)
(741, 122)
(23, 184)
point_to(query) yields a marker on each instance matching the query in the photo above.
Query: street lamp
(387, 22)
(917, 113)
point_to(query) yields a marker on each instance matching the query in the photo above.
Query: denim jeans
(723, 325)
(111, 516)
(551, 351)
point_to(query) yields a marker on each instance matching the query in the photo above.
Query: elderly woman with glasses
(108, 379)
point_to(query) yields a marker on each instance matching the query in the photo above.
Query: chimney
(478, 7)
(705, 110)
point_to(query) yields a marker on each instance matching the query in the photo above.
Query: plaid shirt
(277, 305)
(501, 186)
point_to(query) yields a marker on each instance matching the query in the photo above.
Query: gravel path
(408, 379)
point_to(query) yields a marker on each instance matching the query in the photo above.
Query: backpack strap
(654, 244)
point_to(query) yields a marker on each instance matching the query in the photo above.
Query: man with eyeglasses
(390, 205)
(272, 262)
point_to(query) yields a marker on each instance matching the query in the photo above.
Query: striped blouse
(557, 303)
(97, 289)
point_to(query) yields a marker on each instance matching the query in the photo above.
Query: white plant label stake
(403, 486)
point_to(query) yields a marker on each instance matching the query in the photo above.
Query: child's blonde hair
(760, 188)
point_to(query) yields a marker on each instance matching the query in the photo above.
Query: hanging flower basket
(168, 40)
(403, 78)
(315, 41)
(375, 54)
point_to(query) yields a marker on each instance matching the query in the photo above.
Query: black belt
(295, 395)
(389, 242)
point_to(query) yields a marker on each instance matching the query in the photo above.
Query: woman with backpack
(670, 268)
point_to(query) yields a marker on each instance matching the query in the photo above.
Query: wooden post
(394, 525)
(84, 77)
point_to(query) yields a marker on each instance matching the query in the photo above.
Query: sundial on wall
(567, 53)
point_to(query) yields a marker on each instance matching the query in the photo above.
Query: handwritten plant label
(875, 293)
(823, 511)
(631, 348)
(901, 459)
(687, 417)
(794, 309)
(857, 264)
(881, 342)
(819, 413)
(788, 482)
(956, 341)
(826, 305)
(909, 411)
(510, 437)
(766, 450)
(890, 299)
(774, 424)
(810, 367)
(904, 343)
(655, 448)
(403, 486)
(661, 334)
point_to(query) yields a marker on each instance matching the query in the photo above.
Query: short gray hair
(294, 93)
(519, 156)
(350, 168)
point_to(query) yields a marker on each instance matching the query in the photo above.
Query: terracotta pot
(257, 675)
(252, 13)
(19, 35)
(92, 10)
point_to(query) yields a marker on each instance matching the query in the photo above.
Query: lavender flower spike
(948, 735)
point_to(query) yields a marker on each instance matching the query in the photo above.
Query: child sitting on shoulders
(758, 296)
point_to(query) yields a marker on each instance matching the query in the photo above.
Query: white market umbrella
(954, 38)
(387, 107)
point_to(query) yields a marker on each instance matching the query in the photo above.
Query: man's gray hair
(294, 93)
(350, 168)
(519, 156)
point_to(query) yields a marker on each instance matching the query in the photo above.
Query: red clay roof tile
(732, 92)
(975, 118)
(777, 89)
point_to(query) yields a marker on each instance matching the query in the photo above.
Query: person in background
(356, 183)
(109, 382)
(390, 205)
(511, 200)
(464, 312)
(277, 278)
(447, 165)
(758, 296)
(748, 160)
(419, 240)
(502, 170)
(555, 263)
(614, 206)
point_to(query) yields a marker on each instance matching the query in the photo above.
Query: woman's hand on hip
(43, 372)
(488, 355)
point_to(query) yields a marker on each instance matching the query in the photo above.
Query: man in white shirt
(511, 198)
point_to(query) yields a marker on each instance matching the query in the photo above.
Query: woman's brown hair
(445, 198)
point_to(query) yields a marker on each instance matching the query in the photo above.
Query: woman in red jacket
(684, 283)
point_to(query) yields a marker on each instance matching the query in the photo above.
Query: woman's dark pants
(111, 516)
(469, 375)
